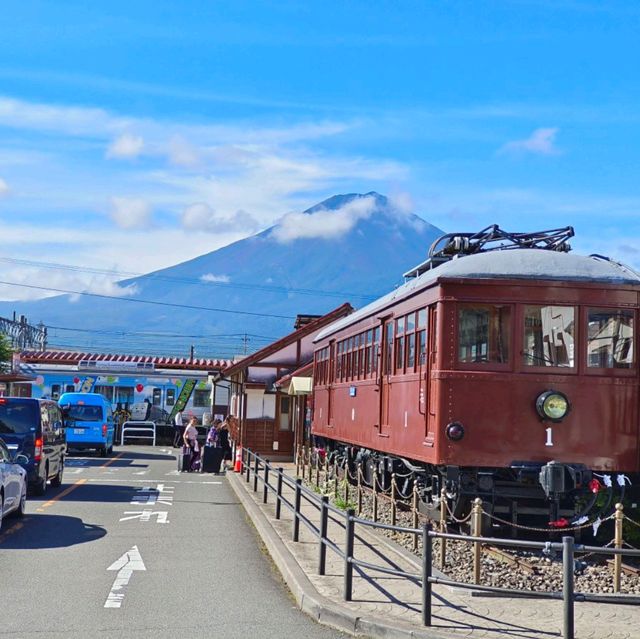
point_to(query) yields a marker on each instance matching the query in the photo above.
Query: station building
(265, 389)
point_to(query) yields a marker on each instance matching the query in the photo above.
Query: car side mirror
(20, 459)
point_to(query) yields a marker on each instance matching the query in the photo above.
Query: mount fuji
(348, 248)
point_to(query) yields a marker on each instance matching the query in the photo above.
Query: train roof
(526, 264)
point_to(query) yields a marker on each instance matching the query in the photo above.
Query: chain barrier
(452, 516)
(633, 521)
(545, 530)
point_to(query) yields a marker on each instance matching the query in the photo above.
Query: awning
(300, 386)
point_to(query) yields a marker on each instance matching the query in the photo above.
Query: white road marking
(146, 481)
(162, 517)
(141, 472)
(73, 471)
(130, 561)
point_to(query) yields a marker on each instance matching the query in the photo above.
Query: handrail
(347, 520)
(145, 426)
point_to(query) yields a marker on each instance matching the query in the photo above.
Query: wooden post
(617, 559)
(304, 462)
(310, 465)
(318, 471)
(298, 461)
(375, 494)
(414, 513)
(359, 489)
(335, 478)
(326, 473)
(393, 499)
(477, 530)
(443, 527)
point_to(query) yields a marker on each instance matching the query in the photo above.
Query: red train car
(505, 367)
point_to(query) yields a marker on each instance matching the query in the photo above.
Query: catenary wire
(184, 280)
(141, 301)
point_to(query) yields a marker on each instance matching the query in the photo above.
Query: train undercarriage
(525, 495)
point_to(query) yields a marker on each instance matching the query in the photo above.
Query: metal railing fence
(263, 471)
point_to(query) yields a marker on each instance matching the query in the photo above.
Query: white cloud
(210, 277)
(540, 142)
(4, 188)
(130, 213)
(324, 223)
(182, 153)
(201, 217)
(126, 146)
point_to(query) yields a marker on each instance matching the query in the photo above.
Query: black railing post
(279, 494)
(324, 522)
(427, 564)
(348, 553)
(567, 586)
(296, 510)
(248, 465)
(265, 492)
(256, 470)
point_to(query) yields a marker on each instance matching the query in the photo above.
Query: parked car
(89, 422)
(13, 484)
(33, 430)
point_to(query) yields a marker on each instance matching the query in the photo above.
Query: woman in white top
(191, 440)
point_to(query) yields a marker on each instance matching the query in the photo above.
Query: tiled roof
(74, 357)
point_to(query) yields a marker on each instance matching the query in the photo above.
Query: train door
(329, 383)
(432, 350)
(386, 369)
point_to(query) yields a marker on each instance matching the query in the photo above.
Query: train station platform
(390, 606)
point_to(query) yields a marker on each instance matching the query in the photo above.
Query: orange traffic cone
(238, 465)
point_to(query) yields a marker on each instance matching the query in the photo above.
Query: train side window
(484, 333)
(411, 352)
(610, 338)
(549, 336)
(422, 347)
(422, 318)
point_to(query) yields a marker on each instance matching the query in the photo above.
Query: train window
(549, 336)
(157, 396)
(422, 318)
(400, 326)
(105, 391)
(422, 347)
(171, 396)
(388, 352)
(399, 354)
(55, 391)
(411, 351)
(610, 338)
(411, 322)
(483, 333)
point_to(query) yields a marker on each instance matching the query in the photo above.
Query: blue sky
(135, 135)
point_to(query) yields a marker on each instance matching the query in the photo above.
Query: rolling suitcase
(184, 459)
(211, 459)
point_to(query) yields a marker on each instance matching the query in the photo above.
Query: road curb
(308, 599)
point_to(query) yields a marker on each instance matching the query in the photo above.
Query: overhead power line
(185, 280)
(142, 301)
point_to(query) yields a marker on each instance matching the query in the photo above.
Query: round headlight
(455, 431)
(553, 405)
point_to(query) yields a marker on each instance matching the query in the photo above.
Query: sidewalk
(390, 607)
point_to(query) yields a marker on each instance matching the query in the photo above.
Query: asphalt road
(127, 547)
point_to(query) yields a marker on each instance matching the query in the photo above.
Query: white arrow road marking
(130, 561)
(145, 515)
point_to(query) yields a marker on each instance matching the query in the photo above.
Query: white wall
(260, 405)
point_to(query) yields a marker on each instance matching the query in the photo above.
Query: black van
(35, 429)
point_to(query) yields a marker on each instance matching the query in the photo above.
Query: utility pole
(191, 355)
(245, 344)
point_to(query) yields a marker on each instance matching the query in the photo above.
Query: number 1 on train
(549, 441)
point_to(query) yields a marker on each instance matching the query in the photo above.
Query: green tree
(5, 353)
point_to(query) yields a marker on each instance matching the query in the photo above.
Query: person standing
(223, 442)
(190, 439)
(178, 430)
